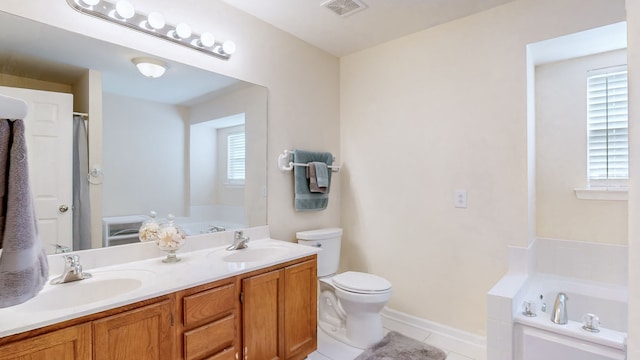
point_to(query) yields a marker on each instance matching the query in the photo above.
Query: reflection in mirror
(147, 136)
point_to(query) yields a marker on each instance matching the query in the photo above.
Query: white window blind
(608, 140)
(235, 158)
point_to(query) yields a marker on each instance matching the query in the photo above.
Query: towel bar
(284, 163)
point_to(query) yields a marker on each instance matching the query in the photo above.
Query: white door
(49, 134)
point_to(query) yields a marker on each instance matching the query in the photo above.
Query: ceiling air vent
(345, 7)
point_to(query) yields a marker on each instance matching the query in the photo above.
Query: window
(235, 158)
(608, 145)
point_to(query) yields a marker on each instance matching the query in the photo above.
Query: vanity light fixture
(149, 67)
(124, 13)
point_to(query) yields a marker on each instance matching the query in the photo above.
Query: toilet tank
(329, 241)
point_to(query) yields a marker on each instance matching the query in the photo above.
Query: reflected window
(236, 158)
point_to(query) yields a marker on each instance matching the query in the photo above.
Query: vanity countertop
(203, 259)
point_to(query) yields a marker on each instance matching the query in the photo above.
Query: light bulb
(206, 40)
(229, 47)
(155, 20)
(125, 10)
(182, 31)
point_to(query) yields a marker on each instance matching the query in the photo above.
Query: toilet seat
(361, 283)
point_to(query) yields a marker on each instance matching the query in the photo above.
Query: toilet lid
(362, 283)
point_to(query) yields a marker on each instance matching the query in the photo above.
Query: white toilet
(349, 303)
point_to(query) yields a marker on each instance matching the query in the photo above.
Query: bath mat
(395, 346)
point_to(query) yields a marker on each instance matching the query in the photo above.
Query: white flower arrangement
(169, 238)
(149, 231)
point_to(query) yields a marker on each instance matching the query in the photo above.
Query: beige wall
(22, 82)
(436, 111)
(561, 135)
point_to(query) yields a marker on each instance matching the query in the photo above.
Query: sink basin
(101, 286)
(253, 254)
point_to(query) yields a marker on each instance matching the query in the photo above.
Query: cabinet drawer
(227, 354)
(210, 338)
(209, 305)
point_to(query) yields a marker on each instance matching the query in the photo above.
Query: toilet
(349, 303)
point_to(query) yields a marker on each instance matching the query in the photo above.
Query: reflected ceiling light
(149, 67)
(123, 12)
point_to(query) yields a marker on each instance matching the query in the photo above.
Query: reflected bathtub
(203, 227)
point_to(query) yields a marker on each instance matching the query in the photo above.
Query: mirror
(162, 143)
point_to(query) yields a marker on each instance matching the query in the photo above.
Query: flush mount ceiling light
(149, 67)
(124, 13)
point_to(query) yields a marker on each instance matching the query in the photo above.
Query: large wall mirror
(191, 143)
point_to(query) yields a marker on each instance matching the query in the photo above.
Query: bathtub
(539, 338)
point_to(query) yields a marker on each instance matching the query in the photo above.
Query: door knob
(63, 209)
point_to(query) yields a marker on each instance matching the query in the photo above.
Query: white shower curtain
(81, 206)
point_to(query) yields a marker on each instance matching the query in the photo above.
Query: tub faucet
(559, 314)
(215, 228)
(72, 271)
(239, 241)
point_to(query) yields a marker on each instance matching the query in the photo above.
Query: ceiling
(379, 22)
(56, 55)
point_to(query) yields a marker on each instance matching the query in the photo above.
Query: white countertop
(202, 261)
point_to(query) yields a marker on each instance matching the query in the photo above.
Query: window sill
(602, 193)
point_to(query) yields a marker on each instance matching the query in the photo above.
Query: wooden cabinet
(71, 343)
(279, 313)
(276, 320)
(140, 334)
(300, 310)
(210, 319)
(263, 316)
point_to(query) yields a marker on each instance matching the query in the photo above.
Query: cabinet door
(72, 343)
(140, 334)
(300, 313)
(263, 316)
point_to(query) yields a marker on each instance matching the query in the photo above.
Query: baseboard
(468, 344)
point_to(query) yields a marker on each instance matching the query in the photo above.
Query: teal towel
(304, 199)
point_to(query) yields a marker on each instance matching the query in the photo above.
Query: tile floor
(331, 349)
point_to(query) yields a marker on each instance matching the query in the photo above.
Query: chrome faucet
(62, 248)
(72, 271)
(559, 314)
(239, 241)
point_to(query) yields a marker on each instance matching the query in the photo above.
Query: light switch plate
(460, 199)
